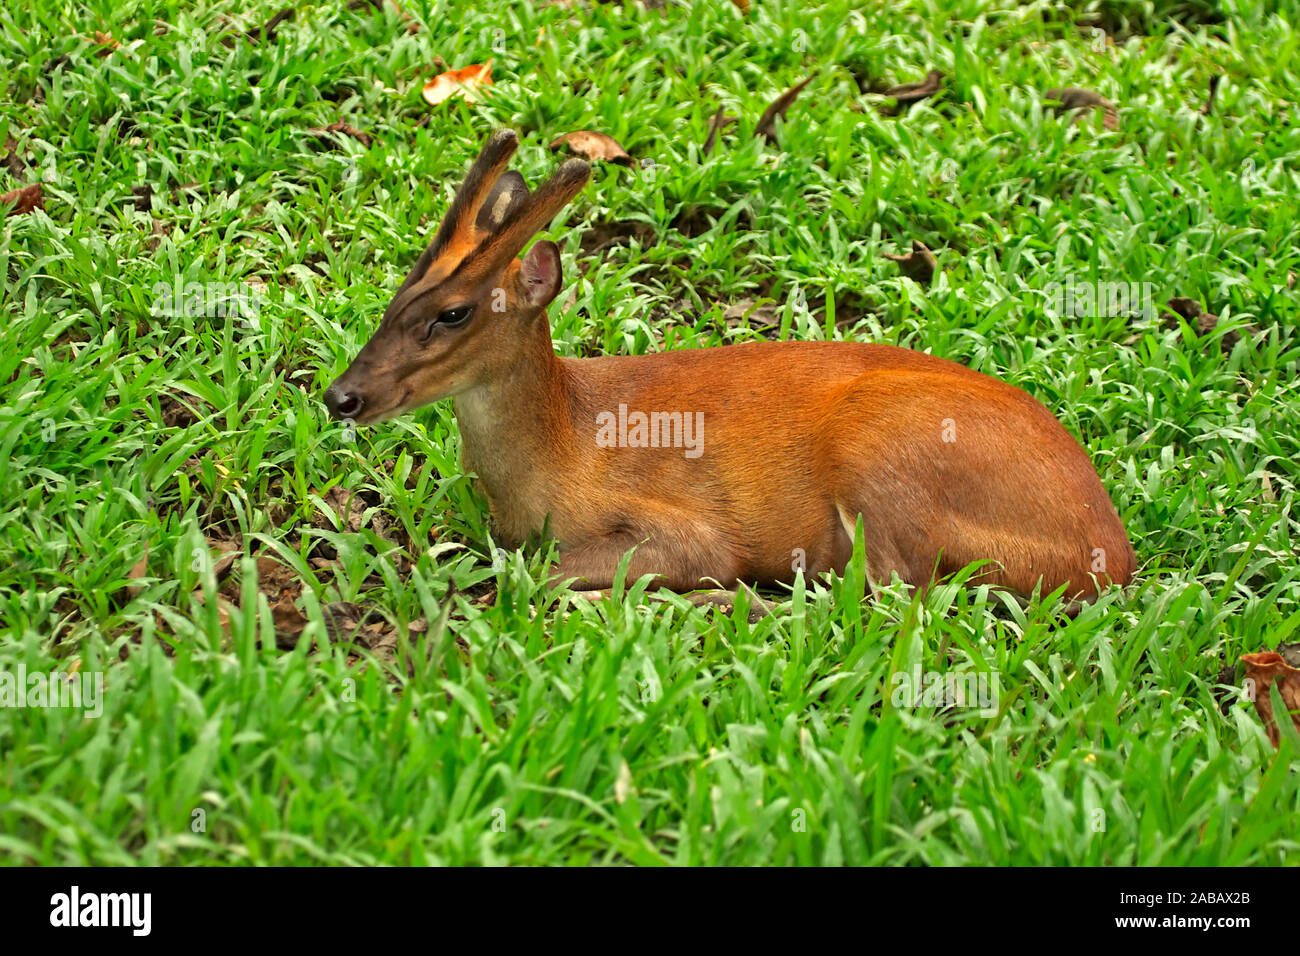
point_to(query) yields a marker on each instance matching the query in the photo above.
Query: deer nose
(343, 404)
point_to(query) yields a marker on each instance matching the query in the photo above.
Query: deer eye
(457, 316)
(452, 318)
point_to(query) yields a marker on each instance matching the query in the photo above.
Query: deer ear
(502, 202)
(541, 273)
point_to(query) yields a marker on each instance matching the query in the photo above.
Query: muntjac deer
(724, 465)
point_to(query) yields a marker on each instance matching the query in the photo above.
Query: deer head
(455, 323)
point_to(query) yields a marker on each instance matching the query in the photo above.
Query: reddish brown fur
(793, 433)
(800, 438)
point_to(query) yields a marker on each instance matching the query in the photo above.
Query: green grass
(530, 727)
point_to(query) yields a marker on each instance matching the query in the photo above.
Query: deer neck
(516, 431)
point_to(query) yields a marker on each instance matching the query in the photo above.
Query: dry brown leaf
(229, 551)
(468, 82)
(1202, 322)
(289, 622)
(105, 40)
(593, 145)
(379, 638)
(275, 579)
(282, 588)
(343, 619)
(745, 313)
(12, 160)
(223, 610)
(157, 230)
(1266, 668)
(1191, 310)
(267, 32)
(350, 509)
(741, 5)
(919, 264)
(1080, 101)
(177, 409)
(348, 622)
(362, 137)
(605, 235)
(766, 127)
(25, 199)
(138, 571)
(719, 122)
(908, 93)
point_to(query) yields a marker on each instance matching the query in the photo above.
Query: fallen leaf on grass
(1191, 310)
(274, 579)
(746, 313)
(282, 588)
(605, 235)
(1080, 101)
(177, 409)
(106, 41)
(13, 162)
(343, 619)
(352, 623)
(719, 122)
(1265, 668)
(593, 145)
(138, 571)
(1202, 322)
(908, 93)
(766, 127)
(25, 199)
(224, 608)
(289, 622)
(919, 264)
(229, 550)
(468, 82)
(350, 516)
(157, 230)
(267, 32)
(349, 508)
(362, 137)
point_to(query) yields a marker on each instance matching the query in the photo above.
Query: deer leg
(682, 561)
(593, 566)
(722, 599)
(681, 553)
